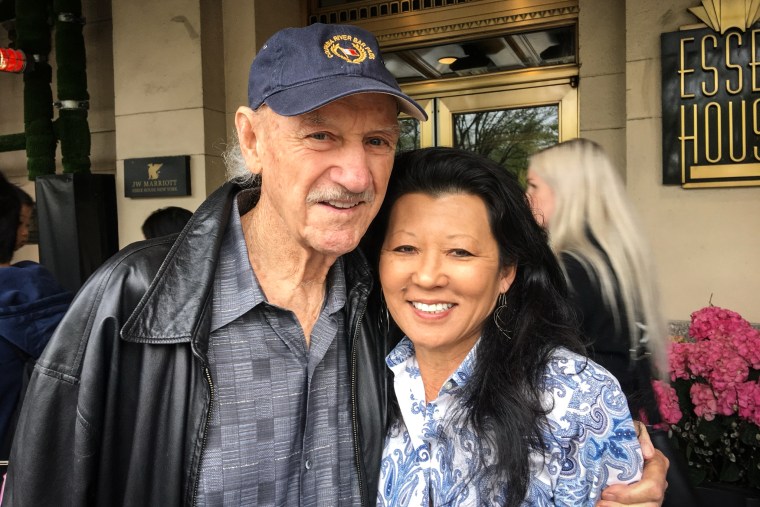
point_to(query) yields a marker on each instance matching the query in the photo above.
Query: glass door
(506, 125)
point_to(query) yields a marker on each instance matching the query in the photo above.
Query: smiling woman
(441, 276)
(494, 402)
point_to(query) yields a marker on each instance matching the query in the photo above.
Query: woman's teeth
(434, 308)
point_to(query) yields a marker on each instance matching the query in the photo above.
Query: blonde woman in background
(580, 199)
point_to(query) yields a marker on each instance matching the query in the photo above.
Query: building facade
(165, 79)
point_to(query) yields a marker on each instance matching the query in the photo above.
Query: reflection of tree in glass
(410, 134)
(508, 136)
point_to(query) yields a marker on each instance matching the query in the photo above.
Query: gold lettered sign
(711, 101)
(157, 176)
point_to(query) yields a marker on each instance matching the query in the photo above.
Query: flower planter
(726, 495)
(712, 406)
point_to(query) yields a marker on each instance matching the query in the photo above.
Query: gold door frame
(441, 99)
(564, 96)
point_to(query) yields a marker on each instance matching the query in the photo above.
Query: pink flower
(678, 359)
(729, 370)
(747, 345)
(726, 402)
(702, 357)
(705, 404)
(667, 401)
(714, 322)
(715, 363)
(748, 395)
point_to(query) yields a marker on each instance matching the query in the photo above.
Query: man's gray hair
(237, 170)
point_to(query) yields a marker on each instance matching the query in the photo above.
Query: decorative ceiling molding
(510, 20)
(720, 15)
(360, 11)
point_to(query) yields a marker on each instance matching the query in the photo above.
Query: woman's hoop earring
(499, 316)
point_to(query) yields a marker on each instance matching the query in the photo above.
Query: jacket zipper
(205, 433)
(354, 409)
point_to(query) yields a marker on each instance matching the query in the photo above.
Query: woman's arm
(592, 427)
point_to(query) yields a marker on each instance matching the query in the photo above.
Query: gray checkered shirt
(280, 431)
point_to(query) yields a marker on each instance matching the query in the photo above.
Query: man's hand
(650, 490)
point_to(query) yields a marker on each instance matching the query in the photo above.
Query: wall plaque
(157, 176)
(711, 98)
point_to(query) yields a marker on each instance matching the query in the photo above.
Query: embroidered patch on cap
(348, 48)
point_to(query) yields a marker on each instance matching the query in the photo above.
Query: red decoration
(12, 60)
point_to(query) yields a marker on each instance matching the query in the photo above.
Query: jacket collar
(176, 307)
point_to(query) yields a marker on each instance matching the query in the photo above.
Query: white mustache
(340, 194)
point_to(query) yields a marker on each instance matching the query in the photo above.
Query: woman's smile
(440, 270)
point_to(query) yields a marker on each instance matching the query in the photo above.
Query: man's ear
(245, 122)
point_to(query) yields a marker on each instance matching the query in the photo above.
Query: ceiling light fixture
(447, 60)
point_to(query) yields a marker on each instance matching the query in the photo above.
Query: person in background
(240, 363)
(579, 198)
(165, 221)
(32, 303)
(25, 212)
(495, 402)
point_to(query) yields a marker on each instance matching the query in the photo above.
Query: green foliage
(32, 27)
(724, 449)
(40, 148)
(33, 36)
(410, 135)
(508, 136)
(73, 131)
(71, 62)
(39, 166)
(71, 126)
(72, 6)
(12, 142)
(38, 96)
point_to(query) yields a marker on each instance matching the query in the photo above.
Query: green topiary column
(12, 142)
(33, 32)
(71, 68)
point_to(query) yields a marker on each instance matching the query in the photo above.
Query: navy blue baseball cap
(301, 69)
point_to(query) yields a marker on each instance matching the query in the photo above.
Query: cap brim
(315, 94)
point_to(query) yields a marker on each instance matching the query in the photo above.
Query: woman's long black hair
(503, 397)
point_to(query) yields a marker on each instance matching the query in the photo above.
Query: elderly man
(238, 365)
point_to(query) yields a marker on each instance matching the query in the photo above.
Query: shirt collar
(403, 361)
(236, 289)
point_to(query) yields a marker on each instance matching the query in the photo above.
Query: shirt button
(450, 385)
(308, 464)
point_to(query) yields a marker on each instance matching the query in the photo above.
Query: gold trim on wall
(465, 20)
(497, 81)
(702, 172)
(722, 184)
(353, 12)
(478, 27)
(720, 15)
(722, 173)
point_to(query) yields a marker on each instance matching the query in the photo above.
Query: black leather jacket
(117, 409)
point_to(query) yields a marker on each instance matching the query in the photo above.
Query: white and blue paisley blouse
(590, 441)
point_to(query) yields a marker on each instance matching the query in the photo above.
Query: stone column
(602, 76)
(169, 76)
